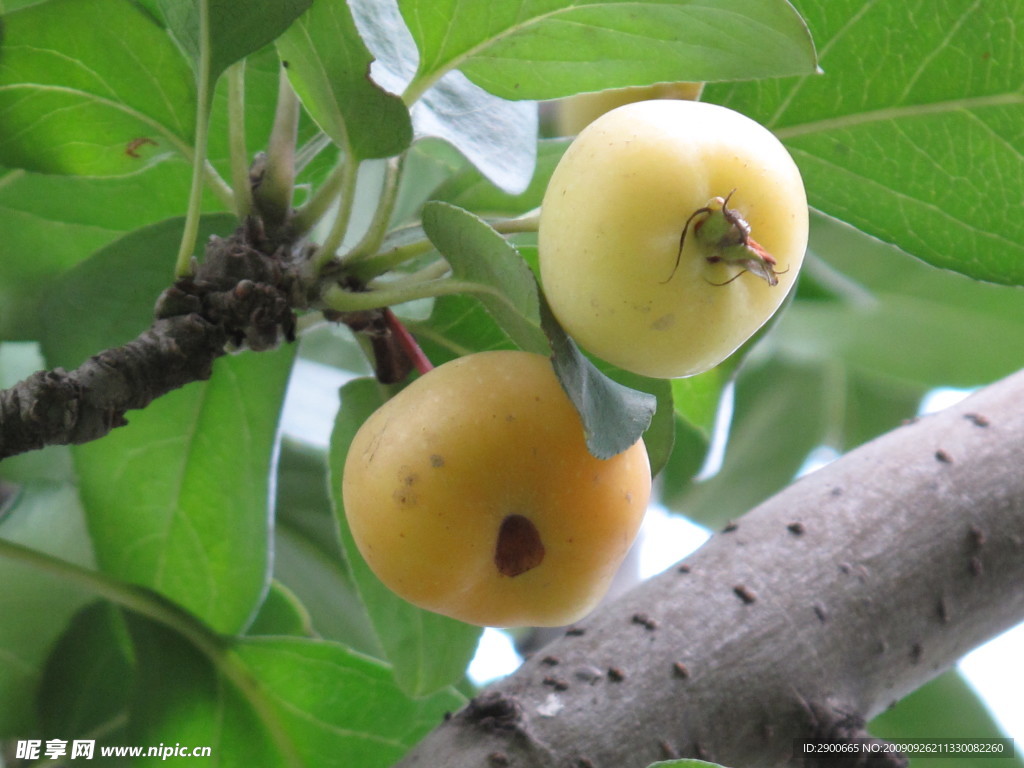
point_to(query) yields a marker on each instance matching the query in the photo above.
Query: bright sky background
(996, 669)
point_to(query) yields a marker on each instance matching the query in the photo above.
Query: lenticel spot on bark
(519, 548)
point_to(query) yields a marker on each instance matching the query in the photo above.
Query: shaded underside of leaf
(235, 29)
(614, 416)
(479, 255)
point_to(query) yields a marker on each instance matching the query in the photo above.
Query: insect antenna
(737, 276)
(682, 241)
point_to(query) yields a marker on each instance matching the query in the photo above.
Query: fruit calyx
(726, 234)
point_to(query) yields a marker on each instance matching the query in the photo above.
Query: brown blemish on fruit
(519, 548)
(405, 493)
(436, 460)
(663, 323)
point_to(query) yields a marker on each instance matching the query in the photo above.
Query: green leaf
(545, 49)
(472, 190)
(427, 164)
(289, 702)
(103, 103)
(180, 697)
(282, 613)
(780, 416)
(457, 326)
(236, 28)
(659, 437)
(919, 144)
(50, 223)
(614, 416)
(685, 764)
(427, 651)
(480, 256)
(947, 706)
(125, 278)
(697, 398)
(308, 558)
(165, 494)
(899, 319)
(689, 455)
(327, 65)
(47, 517)
(785, 408)
(88, 677)
(339, 708)
(40, 509)
(499, 137)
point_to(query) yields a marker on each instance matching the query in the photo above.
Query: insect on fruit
(730, 240)
(641, 240)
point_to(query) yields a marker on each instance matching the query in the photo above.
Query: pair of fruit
(670, 232)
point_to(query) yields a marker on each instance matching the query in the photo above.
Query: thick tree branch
(823, 606)
(241, 295)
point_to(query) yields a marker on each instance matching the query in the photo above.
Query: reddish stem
(408, 343)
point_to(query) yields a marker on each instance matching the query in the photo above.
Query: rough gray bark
(242, 294)
(822, 607)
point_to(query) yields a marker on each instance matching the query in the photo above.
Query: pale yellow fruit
(472, 494)
(613, 216)
(575, 113)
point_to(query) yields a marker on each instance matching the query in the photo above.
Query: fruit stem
(183, 262)
(236, 139)
(376, 231)
(314, 209)
(346, 199)
(340, 300)
(408, 343)
(528, 222)
(273, 196)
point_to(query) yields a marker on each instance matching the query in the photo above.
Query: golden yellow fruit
(616, 268)
(472, 494)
